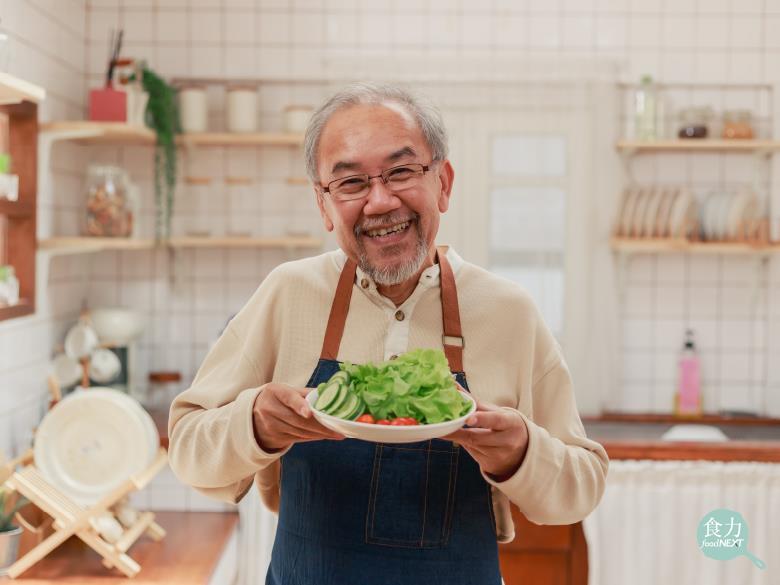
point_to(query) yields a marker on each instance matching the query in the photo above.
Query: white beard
(391, 275)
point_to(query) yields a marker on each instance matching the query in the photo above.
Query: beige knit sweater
(510, 359)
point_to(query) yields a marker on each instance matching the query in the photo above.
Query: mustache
(374, 223)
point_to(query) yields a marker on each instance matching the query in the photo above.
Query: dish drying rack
(97, 525)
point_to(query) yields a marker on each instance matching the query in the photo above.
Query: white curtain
(256, 532)
(644, 530)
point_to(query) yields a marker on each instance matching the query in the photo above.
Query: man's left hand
(497, 440)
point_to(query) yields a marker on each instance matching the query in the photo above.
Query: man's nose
(380, 199)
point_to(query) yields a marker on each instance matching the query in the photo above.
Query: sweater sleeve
(563, 475)
(212, 445)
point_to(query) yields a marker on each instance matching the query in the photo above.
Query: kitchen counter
(190, 554)
(627, 436)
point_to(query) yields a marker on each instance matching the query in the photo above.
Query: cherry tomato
(398, 422)
(383, 421)
(411, 421)
(366, 418)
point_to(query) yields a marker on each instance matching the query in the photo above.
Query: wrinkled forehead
(361, 135)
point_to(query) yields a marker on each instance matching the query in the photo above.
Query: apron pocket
(412, 494)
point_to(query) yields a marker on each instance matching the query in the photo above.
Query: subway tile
(205, 27)
(171, 26)
(578, 31)
(308, 29)
(138, 26)
(611, 31)
(544, 32)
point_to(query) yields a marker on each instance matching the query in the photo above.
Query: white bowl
(386, 433)
(116, 326)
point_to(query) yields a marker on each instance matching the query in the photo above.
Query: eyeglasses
(395, 179)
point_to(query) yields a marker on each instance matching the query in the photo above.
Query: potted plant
(9, 533)
(162, 116)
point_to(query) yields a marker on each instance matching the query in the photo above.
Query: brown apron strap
(452, 338)
(453, 335)
(338, 312)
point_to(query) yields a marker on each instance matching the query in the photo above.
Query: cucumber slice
(340, 375)
(359, 409)
(350, 404)
(327, 395)
(338, 401)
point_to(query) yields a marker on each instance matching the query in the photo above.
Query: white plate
(638, 223)
(80, 341)
(722, 215)
(680, 214)
(632, 196)
(92, 441)
(104, 366)
(651, 215)
(742, 211)
(385, 433)
(67, 370)
(662, 225)
(706, 218)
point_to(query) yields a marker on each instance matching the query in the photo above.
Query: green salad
(415, 388)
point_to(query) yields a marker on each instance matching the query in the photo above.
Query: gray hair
(427, 116)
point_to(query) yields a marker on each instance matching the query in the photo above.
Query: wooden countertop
(187, 555)
(643, 441)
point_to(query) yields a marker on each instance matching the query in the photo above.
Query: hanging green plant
(162, 115)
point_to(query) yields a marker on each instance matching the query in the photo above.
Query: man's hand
(282, 417)
(497, 440)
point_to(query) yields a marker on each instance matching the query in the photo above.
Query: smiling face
(367, 139)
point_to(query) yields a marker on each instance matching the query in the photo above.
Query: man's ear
(446, 178)
(323, 212)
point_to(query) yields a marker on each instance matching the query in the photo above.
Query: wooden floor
(186, 556)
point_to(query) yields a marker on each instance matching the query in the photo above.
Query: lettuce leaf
(417, 384)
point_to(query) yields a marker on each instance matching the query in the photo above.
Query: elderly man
(355, 512)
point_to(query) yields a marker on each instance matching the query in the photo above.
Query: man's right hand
(282, 417)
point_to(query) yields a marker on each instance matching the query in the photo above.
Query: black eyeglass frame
(383, 175)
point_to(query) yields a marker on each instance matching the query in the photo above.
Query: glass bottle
(645, 110)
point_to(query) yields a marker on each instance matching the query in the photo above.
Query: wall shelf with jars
(18, 194)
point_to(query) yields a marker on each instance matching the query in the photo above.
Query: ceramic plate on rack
(638, 223)
(742, 211)
(721, 215)
(681, 214)
(662, 221)
(651, 214)
(631, 197)
(92, 441)
(708, 215)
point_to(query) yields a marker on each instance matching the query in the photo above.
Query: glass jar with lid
(695, 122)
(737, 124)
(110, 203)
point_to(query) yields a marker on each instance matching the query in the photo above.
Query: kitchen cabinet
(19, 103)
(544, 555)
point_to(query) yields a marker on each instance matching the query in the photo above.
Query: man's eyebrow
(398, 154)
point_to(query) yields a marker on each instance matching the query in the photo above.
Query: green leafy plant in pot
(9, 532)
(162, 115)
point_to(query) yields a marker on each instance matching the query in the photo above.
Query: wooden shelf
(14, 90)
(677, 245)
(230, 139)
(88, 132)
(697, 145)
(23, 307)
(245, 242)
(85, 245)
(16, 208)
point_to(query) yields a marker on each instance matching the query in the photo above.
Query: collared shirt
(510, 358)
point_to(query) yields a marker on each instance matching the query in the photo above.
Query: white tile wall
(62, 45)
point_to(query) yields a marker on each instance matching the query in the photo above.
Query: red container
(107, 105)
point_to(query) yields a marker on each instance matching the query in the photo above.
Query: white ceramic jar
(193, 109)
(296, 118)
(242, 109)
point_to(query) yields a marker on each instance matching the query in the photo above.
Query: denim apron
(354, 512)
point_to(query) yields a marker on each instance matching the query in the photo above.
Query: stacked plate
(92, 441)
(656, 212)
(726, 215)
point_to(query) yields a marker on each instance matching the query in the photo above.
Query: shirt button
(399, 315)
(364, 283)
(394, 356)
